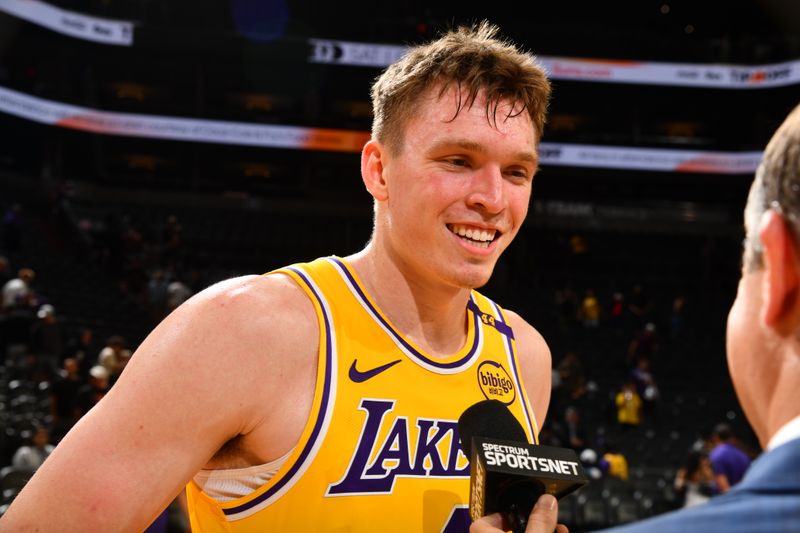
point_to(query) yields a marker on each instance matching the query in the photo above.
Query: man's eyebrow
(444, 144)
(531, 157)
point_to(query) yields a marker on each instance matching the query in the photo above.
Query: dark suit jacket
(766, 500)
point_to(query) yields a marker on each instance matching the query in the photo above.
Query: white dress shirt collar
(789, 431)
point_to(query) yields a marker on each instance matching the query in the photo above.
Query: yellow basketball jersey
(380, 451)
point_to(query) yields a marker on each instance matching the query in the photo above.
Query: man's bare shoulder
(275, 293)
(535, 362)
(224, 336)
(249, 309)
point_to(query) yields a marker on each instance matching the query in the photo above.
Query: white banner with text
(101, 30)
(295, 137)
(592, 70)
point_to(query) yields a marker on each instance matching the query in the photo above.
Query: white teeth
(478, 236)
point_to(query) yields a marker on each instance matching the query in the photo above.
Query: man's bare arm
(202, 377)
(535, 363)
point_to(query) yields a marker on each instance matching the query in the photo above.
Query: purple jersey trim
(320, 419)
(513, 361)
(500, 326)
(398, 337)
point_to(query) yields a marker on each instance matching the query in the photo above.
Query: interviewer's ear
(372, 169)
(782, 274)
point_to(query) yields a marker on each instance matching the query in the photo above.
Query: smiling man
(324, 396)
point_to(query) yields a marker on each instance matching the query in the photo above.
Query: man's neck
(782, 404)
(431, 314)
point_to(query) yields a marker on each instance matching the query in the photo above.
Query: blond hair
(471, 59)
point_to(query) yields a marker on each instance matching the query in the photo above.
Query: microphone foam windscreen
(489, 419)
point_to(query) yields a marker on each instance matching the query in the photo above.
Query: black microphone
(507, 474)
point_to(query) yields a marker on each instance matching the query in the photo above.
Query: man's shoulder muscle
(269, 336)
(535, 363)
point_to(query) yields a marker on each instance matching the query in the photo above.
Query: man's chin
(475, 278)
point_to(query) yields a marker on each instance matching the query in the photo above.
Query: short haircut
(471, 59)
(776, 186)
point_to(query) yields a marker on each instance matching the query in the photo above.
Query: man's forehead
(455, 98)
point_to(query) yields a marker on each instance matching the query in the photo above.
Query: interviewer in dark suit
(763, 347)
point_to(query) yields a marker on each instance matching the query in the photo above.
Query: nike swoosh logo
(359, 377)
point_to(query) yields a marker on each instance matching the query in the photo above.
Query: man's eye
(458, 162)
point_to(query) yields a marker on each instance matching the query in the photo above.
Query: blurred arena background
(149, 149)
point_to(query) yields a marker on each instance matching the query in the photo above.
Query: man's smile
(479, 237)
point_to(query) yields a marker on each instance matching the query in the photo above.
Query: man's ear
(373, 159)
(782, 273)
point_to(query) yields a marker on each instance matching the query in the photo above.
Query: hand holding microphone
(543, 519)
(508, 475)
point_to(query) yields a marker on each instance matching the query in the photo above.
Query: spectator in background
(629, 406)
(177, 293)
(728, 461)
(574, 434)
(677, 318)
(589, 312)
(114, 356)
(613, 463)
(646, 385)
(578, 245)
(588, 459)
(643, 344)
(572, 376)
(29, 457)
(694, 481)
(64, 394)
(157, 294)
(18, 302)
(47, 338)
(82, 348)
(18, 292)
(94, 390)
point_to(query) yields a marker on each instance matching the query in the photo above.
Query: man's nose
(487, 191)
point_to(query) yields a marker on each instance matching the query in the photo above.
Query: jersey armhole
(319, 417)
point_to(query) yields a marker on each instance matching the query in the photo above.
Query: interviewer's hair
(776, 186)
(471, 59)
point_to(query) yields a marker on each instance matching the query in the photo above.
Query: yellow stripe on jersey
(380, 449)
